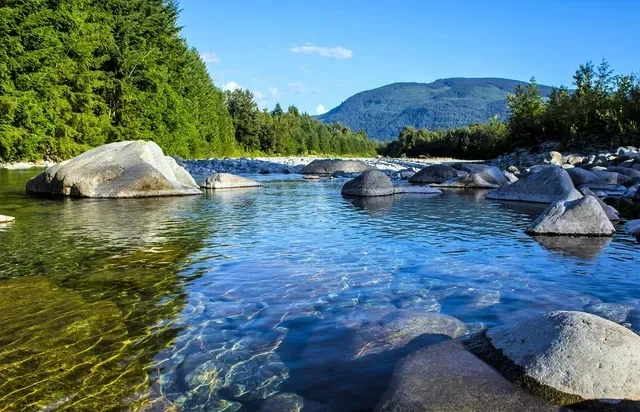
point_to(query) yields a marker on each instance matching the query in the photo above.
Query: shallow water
(210, 303)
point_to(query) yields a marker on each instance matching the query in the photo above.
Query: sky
(316, 54)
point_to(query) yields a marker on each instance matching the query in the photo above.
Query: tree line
(76, 74)
(601, 111)
(290, 133)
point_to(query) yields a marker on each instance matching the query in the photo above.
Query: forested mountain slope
(445, 103)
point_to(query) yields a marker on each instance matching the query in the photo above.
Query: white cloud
(337, 52)
(210, 57)
(320, 109)
(275, 92)
(231, 86)
(305, 69)
(294, 87)
(258, 95)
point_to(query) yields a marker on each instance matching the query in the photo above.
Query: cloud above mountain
(337, 52)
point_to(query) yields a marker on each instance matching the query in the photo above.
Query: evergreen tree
(75, 74)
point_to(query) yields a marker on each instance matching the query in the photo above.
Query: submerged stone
(291, 402)
(425, 190)
(372, 331)
(448, 378)
(116, 170)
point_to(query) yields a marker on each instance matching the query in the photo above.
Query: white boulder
(116, 170)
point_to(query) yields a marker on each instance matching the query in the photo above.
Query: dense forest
(76, 74)
(601, 111)
(290, 133)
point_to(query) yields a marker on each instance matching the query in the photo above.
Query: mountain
(445, 103)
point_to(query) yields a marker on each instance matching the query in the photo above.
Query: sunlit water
(209, 303)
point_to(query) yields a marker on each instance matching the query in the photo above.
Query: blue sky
(315, 54)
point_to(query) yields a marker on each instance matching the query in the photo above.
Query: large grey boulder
(330, 166)
(581, 176)
(370, 183)
(434, 174)
(227, 181)
(492, 175)
(448, 378)
(544, 186)
(116, 170)
(566, 357)
(610, 211)
(573, 214)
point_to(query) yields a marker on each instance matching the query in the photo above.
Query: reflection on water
(211, 302)
(584, 247)
(372, 204)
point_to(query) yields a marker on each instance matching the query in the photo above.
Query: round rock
(434, 174)
(116, 170)
(568, 357)
(544, 186)
(370, 183)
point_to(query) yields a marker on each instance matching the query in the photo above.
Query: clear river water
(210, 303)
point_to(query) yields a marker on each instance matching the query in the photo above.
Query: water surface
(212, 302)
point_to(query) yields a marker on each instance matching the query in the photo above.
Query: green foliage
(476, 141)
(443, 104)
(602, 111)
(526, 111)
(80, 73)
(290, 133)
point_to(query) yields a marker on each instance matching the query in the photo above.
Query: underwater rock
(425, 190)
(448, 378)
